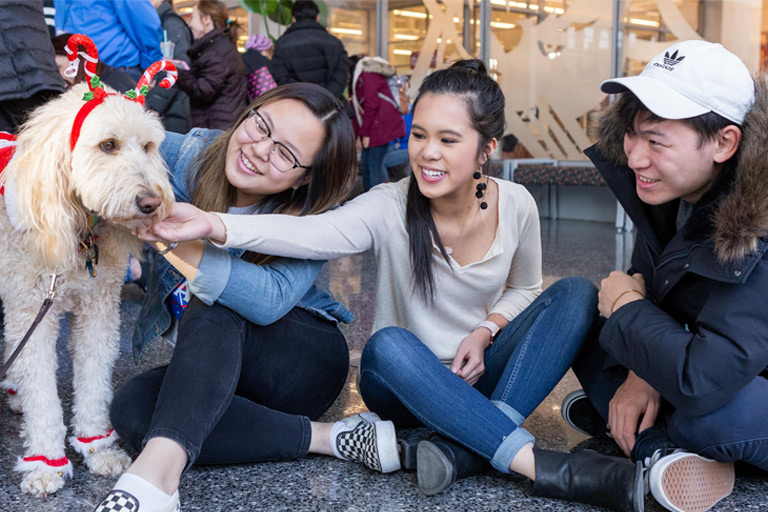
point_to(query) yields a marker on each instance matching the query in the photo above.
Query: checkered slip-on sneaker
(687, 482)
(123, 501)
(369, 441)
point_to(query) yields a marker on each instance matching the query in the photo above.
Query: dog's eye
(108, 146)
(148, 147)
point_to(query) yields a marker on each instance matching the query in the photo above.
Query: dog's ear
(39, 175)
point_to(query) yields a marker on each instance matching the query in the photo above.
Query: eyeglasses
(280, 156)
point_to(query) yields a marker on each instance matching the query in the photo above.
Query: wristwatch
(491, 326)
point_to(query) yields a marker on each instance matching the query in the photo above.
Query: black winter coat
(216, 84)
(306, 52)
(173, 104)
(701, 335)
(27, 64)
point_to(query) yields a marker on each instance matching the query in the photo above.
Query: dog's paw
(14, 403)
(42, 483)
(12, 396)
(109, 462)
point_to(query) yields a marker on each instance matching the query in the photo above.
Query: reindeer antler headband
(97, 94)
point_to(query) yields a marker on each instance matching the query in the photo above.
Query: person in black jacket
(678, 372)
(172, 104)
(28, 73)
(306, 52)
(215, 83)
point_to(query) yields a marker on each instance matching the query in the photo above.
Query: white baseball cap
(689, 79)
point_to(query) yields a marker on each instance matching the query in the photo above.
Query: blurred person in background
(512, 149)
(172, 104)
(306, 52)
(215, 81)
(127, 33)
(35, 80)
(115, 78)
(377, 118)
(258, 67)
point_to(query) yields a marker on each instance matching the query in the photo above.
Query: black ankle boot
(589, 477)
(440, 462)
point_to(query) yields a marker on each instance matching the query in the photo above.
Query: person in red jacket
(377, 118)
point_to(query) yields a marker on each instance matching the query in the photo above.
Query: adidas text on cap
(689, 79)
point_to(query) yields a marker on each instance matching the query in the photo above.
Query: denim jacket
(261, 294)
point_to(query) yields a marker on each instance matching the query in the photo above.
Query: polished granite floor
(320, 483)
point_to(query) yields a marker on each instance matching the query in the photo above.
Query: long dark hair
(333, 170)
(468, 80)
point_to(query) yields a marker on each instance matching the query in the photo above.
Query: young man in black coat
(306, 52)
(677, 373)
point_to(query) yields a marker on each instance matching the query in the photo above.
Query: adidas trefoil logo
(673, 60)
(670, 61)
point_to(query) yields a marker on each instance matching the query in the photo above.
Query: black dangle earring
(480, 190)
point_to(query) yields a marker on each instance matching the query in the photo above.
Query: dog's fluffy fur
(55, 190)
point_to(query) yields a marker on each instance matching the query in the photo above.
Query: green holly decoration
(96, 82)
(131, 94)
(88, 96)
(144, 90)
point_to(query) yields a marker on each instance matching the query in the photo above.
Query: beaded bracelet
(613, 306)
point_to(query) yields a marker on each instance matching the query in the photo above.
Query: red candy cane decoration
(154, 69)
(142, 86)
(90, 56)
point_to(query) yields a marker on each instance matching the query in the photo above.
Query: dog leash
(43, 310)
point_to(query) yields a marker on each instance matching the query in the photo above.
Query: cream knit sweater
(505, 281)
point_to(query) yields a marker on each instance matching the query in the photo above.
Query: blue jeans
(235, 391)
(372, 166)
(402, 380)
(737, 431)
(395, 157)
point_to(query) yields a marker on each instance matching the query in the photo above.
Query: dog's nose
(148, 204)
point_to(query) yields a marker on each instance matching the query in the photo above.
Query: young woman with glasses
(258, 355)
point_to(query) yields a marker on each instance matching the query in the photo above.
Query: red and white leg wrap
(8, 387)
(88, 445)
(32, 463)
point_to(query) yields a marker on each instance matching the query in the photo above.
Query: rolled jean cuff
(512, 414)
(509, 448)
(192, 451)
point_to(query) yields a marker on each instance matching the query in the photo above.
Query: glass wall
(548, 55)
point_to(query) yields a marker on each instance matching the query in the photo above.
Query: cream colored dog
(51, 195)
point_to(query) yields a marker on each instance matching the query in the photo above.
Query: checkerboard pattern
(118, 501)
(359, 445)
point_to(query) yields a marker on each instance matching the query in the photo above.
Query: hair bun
(473, 64)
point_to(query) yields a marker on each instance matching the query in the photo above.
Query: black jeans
(234, 391)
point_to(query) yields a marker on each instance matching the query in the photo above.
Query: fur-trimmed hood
(376, 65)
(742, 215)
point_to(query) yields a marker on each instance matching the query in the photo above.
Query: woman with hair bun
(464, 341)
(215, 83)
